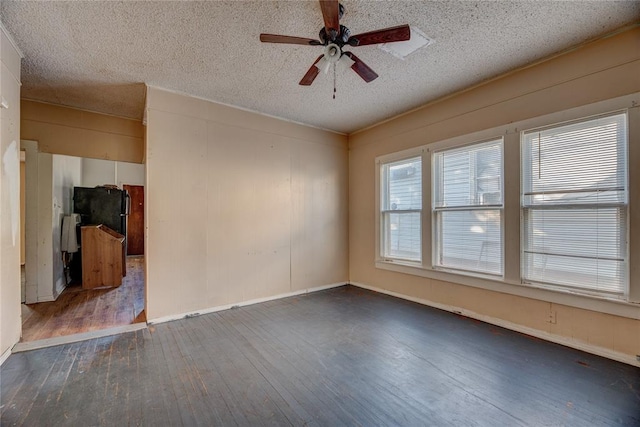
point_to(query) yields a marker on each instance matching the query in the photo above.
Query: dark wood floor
(80, 310)
(345, 356)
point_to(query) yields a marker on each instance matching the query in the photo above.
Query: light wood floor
(344, 356)
(77, 310)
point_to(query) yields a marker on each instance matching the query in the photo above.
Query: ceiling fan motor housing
(340, 39)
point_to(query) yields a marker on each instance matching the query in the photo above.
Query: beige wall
(9, 195)
(240, 206)
(599, 71)
(73, 132)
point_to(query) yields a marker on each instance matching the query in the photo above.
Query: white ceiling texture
(97, 55)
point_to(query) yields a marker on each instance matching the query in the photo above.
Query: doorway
(56, 304)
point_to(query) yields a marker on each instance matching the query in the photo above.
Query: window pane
(403, 185)
(469, 176)
(599, 275)
(574, 198)
(401, 188)
(470, 240)
(466, 179)
(592, 233)
(576, 247)
(402, 235)
(578, 163)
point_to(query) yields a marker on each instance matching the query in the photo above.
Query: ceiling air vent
(403, 49)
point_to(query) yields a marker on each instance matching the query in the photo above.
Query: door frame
(31, 219)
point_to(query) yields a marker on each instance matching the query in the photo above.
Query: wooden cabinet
(103, 257)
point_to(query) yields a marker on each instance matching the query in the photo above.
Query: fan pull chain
(334, 81)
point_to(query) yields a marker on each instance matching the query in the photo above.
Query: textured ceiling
(98, 55)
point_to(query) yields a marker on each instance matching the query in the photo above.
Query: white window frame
(525, 210)
(382, 237)
(436, 212)
(511, 283)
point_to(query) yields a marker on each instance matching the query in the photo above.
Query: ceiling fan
(334, 37)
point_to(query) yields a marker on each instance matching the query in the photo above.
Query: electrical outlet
(552, 317)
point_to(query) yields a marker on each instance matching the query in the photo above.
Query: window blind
(401, 209)
(574, 201)
(467, 204)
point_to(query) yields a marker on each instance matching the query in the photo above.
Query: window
(401, 209)
(574, 205)
(467, 208)
(534, 208)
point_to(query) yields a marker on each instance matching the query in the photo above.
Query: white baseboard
(558, 339)
(241, 304)
(5, 356)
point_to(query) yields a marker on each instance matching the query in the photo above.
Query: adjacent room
(320, 213)
(85, 192)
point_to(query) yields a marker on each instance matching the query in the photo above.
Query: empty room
(320, 213)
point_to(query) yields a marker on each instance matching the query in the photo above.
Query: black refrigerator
(99, 205)
(102, 205)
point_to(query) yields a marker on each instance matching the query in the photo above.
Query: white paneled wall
(240, 206)
(97, 172)
(66, 174)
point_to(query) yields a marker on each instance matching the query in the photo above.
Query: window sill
(602, 304)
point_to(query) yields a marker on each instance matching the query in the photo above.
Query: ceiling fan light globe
(345, 62)
(323, 65)
(332, 53)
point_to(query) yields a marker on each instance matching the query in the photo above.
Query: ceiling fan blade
(311, 74)
(331, 15)
(275, 38)
(394, 34)
(361, 68)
